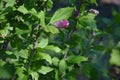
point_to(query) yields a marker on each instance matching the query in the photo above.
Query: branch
(78, 5)
(65, 54)
(71, 32)
(33, 51)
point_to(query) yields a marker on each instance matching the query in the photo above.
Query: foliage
(32, 48)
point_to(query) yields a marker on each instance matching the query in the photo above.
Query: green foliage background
(31, 48)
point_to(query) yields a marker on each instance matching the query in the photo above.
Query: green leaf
(99, 47)
(76, 59)
(115, 57)
(63, 65)
(72, 1)
(2, 62)
(43, 43)
(6, 30)
(118, 45)
(34, 75)
(20, 31)
(33, 11)
(90, 71)
(94, 2)
(56, 74)
(63, 13)
(1, 5)
(41, 16)
(9, 2)
(40, 56)
(5, 74)
(53, 48)
(88, 21)
(23, 53)
(44, 70)
(55, 61)
(20, 73)
(23, 10)
(19, 70)
(49, 5)
(29, 4)
(1, 41)
(51, 29)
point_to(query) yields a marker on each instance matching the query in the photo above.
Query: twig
(33, 51)
(71, 33)
(69, 37)
(78, 5)
(65, 54)
(34, 48)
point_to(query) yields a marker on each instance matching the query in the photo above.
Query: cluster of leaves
(32, 48)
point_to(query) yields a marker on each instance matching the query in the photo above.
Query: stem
(33, 51)
(69, 37)
(65, 54)
(78, 5)
(71, 32)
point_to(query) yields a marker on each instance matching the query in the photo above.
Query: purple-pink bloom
(61, 24)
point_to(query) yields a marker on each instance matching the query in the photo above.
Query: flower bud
(76, 14)
(61, 24)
